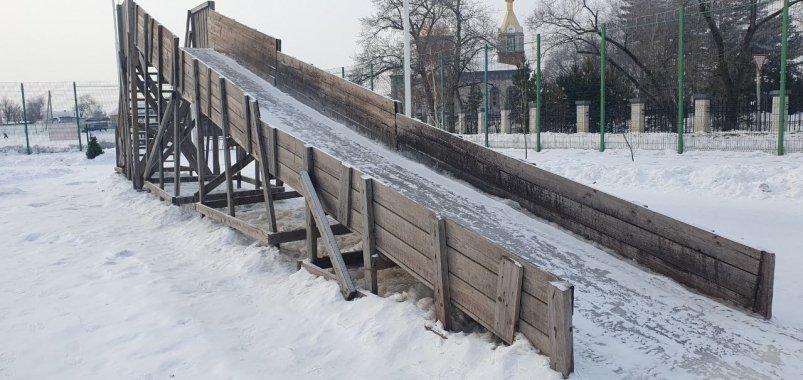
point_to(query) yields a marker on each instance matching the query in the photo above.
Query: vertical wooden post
(560, 301)
(273, 139)
(199, 132)
(368, 236)
(146, 93)
(344, 195)
(215, 135)
(766, 280)
(264, 157)
(136, 175)
(440, 261)
(178, 64)
(224, 110)
(160, 103)
(240, 156)
(508, 298)
(312, 238)
(249, 141)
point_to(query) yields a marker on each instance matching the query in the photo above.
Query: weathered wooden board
(695, 257)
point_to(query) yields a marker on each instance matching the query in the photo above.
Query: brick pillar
(506, 121)
(533, 117)
(637, 120)
(702, 113)
(776, 110)
(461, 123)
(583, 107)
(481, 121)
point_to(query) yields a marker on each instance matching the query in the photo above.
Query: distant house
(63, 117)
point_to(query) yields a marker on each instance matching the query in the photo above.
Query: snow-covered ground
(98, 281)
(716, 141)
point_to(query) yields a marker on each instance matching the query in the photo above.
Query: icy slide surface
(629, 323)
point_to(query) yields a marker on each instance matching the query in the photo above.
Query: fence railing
(41, 117)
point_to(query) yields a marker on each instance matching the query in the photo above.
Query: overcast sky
(73, 40)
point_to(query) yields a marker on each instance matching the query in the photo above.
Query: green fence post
(681, 78)
(77, 117)
(372, 76)
(602, 66)
(784, 53)
(443, 101)
(343, 72)
(487, 110)
(25, 118)
(538, 93)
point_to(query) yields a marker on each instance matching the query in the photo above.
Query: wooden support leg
(368, 237)
(312, 236)
(240, 155)
(224, 106)
(265, 157)
(176, 147)
(199, 133)
(443, 304)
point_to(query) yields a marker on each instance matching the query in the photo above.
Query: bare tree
(642, 41)
(12, 112)
(452, 30)
(89, 107)
(34, 109)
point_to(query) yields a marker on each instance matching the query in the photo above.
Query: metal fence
(668, 77)
(41, 117)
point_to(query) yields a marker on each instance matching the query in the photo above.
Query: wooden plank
(347, 288)
(536, 337)
(406, 208)
(561, 301)
(763, 299)
(344, 195)
(275, 238)
(716, 250)
(488, 255)
(240, 225)
(312, 238)
(440, 271)
(508, 299)
(249, 140)
(733, 278)
(263, 156)
(226, 147)
(159, 192)
(199, 134)
(368, 236)
(403, 254)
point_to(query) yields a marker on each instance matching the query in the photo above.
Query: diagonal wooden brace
(220, 179)
(347, 288)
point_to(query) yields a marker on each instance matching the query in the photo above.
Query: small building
(502, 68)
(63, 117)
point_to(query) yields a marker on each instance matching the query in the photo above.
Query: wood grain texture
(561, 298)
(440, 282)
(697, 258)
(508, 299)
(368, 237)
